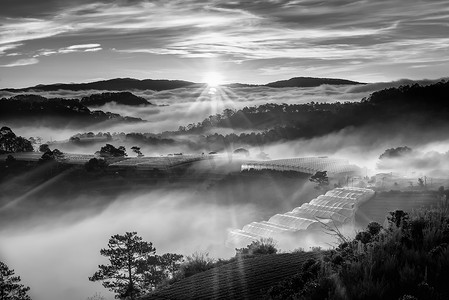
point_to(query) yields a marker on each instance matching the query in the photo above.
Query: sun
(213, 79)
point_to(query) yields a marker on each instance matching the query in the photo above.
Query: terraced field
(160, 163)
(242, 279)
(377, 208)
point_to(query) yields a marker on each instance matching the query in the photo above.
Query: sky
(50, 41)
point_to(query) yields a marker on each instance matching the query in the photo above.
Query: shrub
(95, 164)
(198, 262)
(309, 283)
(374, 228)
(260, 247)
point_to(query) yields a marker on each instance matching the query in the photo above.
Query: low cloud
(372, 87)
(180, 107)
(65, 233)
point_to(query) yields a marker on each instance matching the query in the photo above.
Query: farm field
(307, 165)
(243, 279)
(377, 208)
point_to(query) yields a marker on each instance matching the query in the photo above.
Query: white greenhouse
(335, 208)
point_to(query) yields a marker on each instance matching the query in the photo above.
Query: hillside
(242, 279)
(123, 98)
(377, 208)
(117, 84)
(388, 110)
(310, 82)
(37, 110)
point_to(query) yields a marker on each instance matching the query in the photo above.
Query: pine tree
(10, 286)
(127, 273)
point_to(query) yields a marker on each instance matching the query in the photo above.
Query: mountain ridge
(124, 84)
(115, 84)
(310, 82)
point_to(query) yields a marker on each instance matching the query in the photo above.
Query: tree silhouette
(137, 151)
(10, 287)
(95, 164)
(44, 148)
(134, 269)
(124, 275)
(421, 182)
(9, 142)
(321, 179)
(110, 151)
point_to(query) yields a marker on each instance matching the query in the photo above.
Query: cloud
(321, 37)
(260, 30)
(420, 163)
(21, 62)
(70, 49)
(6, 48)
(93, 49)
(84, 46)
(26, 29)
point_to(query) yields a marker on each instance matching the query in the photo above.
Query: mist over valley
(190, 150)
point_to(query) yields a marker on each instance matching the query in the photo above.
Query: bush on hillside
(310, 283)
(95, 164)
(260, 247)
(196, 263)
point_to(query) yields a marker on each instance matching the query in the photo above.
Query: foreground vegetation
(10, 286)
(407, 260)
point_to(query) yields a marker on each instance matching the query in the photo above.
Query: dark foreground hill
(242, 279)
(117, 84)
(310, 82)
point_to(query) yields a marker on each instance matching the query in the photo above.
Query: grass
(377, 208)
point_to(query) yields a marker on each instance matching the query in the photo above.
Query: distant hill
(117, 84)
(124, 98)
(418, 107)
(53, 112)
(242, 279)
(128, 84)
(310, 82)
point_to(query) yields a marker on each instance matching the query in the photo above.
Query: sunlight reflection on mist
(56, 257)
